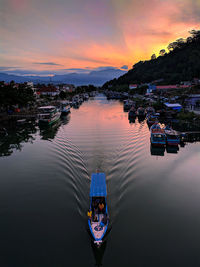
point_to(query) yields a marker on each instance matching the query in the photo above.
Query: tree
(153, 57)
(62, 95)
(162, 52)
(172, 46)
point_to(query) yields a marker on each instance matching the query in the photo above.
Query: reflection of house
(48, 91)
(133, 86)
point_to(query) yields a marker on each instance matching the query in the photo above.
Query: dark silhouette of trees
(62, 95)
(181, 63)
(15, 94)
(162, 52)
(153, 56)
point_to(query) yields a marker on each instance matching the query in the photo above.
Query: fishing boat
(158, 137)
(172, 137)
(98, 212)
(48, 115)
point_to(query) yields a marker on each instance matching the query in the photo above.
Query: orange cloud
(76, 35)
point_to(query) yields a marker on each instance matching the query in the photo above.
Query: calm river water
(153, 196)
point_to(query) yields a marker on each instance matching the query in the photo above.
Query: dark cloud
(105, 68)
(8, 68)
(47, 63)
(124, 67)
(79, 70)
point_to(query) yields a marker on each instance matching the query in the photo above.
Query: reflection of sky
(79, 34)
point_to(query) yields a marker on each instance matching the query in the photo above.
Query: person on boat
(89, 214)
(101, 207)
(105, 219)
(95, 218)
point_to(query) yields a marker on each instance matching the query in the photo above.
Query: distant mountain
(182, 63)
(97, 77)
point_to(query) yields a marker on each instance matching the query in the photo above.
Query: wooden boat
(172, 137)
(48, 115)
(98, 212)
(158, 137)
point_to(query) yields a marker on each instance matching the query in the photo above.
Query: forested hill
(181, 63)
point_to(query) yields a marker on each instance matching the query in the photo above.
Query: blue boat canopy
(98, 185)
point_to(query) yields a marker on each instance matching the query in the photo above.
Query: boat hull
(173, 143)
(98, 211)
(49, 122)
(97, 231)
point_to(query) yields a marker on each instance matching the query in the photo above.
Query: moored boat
(98, 212)
(65, 108)
(48, 115)
(158, 137)
(151, 119)
(172, 137)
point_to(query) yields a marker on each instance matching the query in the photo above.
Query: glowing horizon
(48, 35)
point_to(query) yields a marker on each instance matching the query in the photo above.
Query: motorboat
(47, 115)
(172, 137)
(98, 211)
(151, 119)
(158, 137)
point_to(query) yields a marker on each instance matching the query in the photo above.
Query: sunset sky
(81, 35)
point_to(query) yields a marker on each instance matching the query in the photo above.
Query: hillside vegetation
(181, 63)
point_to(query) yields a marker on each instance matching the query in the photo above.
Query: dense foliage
(181, 63)
(11, 95)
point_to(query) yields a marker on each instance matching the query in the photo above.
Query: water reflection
(13, 137)
(98, 253)
(132, 119)
(49, 132)
(172, 149)
(66, 119)
(157, 151)
(141, 118)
